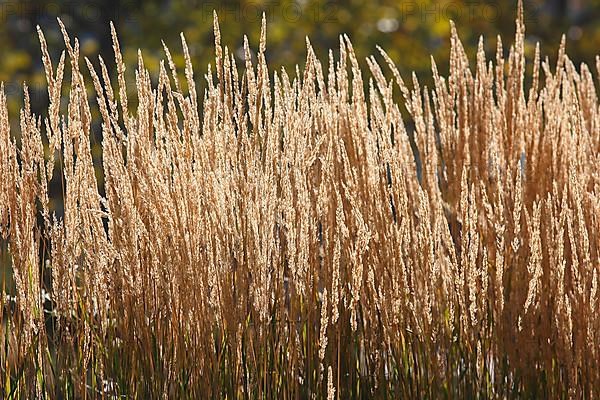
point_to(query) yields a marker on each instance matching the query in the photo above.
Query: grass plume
(277, 236)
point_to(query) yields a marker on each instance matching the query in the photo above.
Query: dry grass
(275, 240)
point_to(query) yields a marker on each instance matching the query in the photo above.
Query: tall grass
(286, 237)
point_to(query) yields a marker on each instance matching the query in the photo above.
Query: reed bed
(277, 236)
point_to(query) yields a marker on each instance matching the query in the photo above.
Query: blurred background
(410, 30)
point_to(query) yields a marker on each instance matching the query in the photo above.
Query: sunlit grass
(287, 236)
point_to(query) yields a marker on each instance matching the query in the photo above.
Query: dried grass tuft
(277, 238)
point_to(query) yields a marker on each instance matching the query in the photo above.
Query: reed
(288, 236)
